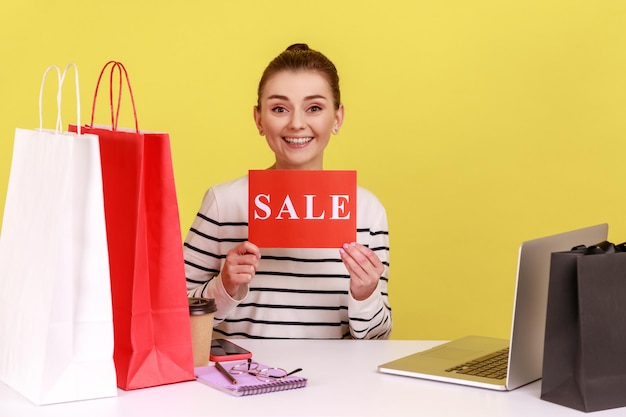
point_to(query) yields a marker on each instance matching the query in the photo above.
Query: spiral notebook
(247, 384)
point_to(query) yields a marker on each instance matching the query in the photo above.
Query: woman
(291, 293)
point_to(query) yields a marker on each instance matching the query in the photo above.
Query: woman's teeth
(298, 141)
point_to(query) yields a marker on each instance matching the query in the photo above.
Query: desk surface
(343, 381)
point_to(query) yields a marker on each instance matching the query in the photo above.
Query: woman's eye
(315, 108)
(279, 109)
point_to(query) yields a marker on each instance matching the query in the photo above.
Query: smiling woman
(291, 293)
(298, 107)
(297, 116)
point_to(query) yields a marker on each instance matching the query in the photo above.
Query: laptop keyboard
(492, 365)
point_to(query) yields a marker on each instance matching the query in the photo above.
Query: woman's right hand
(240, 266)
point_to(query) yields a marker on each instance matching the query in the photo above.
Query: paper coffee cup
(201, 312)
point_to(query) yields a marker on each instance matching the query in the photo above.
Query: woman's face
(297, 117)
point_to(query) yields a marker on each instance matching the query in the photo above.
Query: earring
(261, 132)
(335, 130)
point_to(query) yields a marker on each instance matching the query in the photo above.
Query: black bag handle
(603, 247)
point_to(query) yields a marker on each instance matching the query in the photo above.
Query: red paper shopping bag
(150, 307)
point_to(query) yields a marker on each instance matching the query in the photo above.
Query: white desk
(343, 381)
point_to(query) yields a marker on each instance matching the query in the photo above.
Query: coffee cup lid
(199, 306)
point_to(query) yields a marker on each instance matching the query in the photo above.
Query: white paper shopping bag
(56, 330)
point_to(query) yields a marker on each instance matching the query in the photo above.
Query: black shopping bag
(584, 362)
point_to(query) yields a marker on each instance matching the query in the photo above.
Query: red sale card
(301, 209)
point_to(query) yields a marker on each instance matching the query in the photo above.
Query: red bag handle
(115, 112)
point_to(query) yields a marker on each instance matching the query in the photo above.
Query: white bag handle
(72, 64)
(43, 81)
(60, 79)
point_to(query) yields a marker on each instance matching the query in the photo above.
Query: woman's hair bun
(299, 57)
(298, 47)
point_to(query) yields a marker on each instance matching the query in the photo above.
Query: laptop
(522, 355)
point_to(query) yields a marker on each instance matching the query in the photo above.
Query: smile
(298, 141)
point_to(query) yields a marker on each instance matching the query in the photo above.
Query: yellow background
(479, 124)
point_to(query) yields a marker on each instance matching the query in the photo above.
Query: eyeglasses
(262, 374)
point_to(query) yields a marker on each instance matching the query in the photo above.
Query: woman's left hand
(364, 267)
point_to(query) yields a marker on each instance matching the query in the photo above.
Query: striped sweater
(296, 293)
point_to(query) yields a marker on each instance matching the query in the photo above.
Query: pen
(225, 373)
